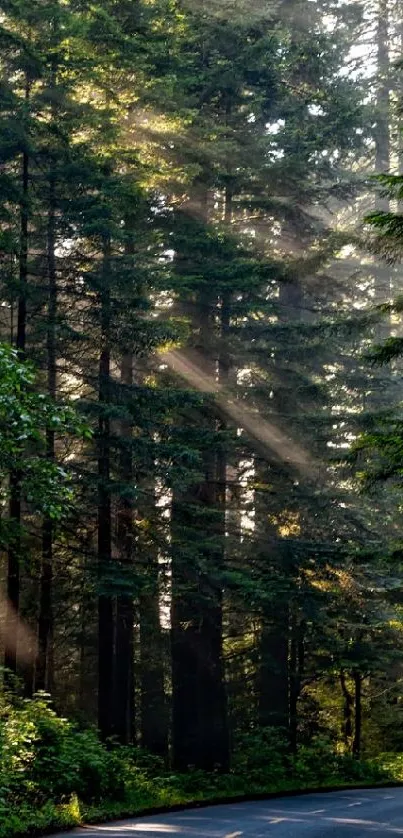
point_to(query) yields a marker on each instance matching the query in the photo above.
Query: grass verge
(28, 822)
(55, 775)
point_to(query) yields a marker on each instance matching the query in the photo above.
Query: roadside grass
(28, 820)
(55, 776)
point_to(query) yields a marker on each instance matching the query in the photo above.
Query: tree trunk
(14, 550)
(200, 732)
(106, 622)
(154, 707)
(296, 665)
(124, 687)
(281, 644)
(357, 714)
(124, 695)
(382, 134)
(88, 637)
(154, 711)
(44, 662)
(381, 383)
(347, 726)
(273, 680)
(383, 150)
(199, 706)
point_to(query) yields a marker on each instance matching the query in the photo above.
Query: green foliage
(25, 417)
(30, 820)
(265, 757)
(53, 774)
(44, 756)
(263, 753)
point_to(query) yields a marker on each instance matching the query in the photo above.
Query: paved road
(345, 814)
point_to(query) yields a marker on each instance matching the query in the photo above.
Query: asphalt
(343, 814)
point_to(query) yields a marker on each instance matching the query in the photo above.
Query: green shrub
(265, 759)
(45, 757)
(262, 756)
(53, 774)
(17, 751)
(316, 763)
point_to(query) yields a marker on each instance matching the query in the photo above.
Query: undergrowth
(54, 775)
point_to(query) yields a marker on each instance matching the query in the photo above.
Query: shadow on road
(338, 816)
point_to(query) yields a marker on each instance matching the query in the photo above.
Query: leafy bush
(262, 756)
(53, 774)
(316, 763)
(368, 771)
(389, 764)
(45, 757)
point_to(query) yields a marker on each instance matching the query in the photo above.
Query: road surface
(344, 814)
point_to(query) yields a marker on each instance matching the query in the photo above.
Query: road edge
(225, 800)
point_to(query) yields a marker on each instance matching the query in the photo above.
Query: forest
(201, 426)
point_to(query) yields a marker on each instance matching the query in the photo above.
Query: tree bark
(199, 706)
(124, 687)
(357, 714)
(383, 148)
(154, 706)
(106, 621)
(382, 133)
(296, 666)
(14, 550)
(200, 730)
(44, 662)
(88, 637)
(154, 710)
(347, 726)
(273, 677)
(200, 736)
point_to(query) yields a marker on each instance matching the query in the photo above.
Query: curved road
(344, 814)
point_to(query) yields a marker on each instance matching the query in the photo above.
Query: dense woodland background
(193, 259)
